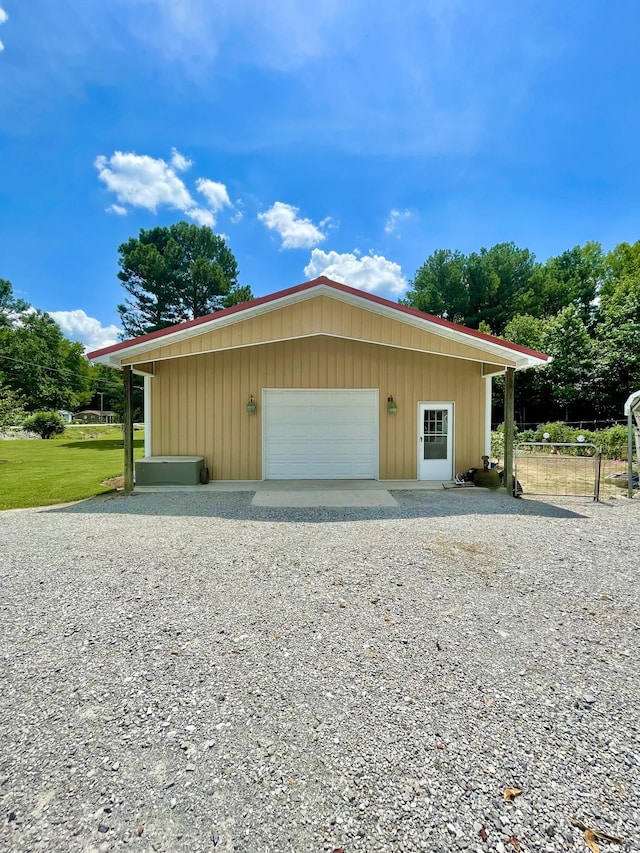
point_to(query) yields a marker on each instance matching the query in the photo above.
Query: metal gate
(563, 469)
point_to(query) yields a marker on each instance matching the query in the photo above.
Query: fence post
(509, 414)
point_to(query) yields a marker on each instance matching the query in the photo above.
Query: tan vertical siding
(199, 402)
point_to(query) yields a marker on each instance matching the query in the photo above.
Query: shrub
(612, 441)
(11, 411)
(497, 444)
(497, 440)
(44, 424)
(557, 431)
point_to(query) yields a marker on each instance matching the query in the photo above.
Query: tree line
(41, 369)
(581, 307)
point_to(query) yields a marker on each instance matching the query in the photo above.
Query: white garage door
(320, 434)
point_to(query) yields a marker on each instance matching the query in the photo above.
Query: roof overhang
(489, 345)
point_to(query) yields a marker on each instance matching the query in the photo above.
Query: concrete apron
(309, 493)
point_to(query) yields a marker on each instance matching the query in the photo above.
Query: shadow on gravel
(237, 505)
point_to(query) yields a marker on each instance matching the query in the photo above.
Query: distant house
(95, 416)
(67, 417)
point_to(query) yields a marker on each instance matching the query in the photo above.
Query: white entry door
(320, 434)
(435, 441)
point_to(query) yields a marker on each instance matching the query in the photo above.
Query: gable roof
(112, 355)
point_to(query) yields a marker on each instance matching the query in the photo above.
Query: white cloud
(78, 326)
(150, 183)
(179, 161)
(394, 217)
(296, 233)
(215, 193)
(143, 181)
(202, 216)
(373, 273)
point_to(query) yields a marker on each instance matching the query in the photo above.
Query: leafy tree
(37, 361)
(485, 287)
(440, 288)
(622, 261)
(175, 274)
(570, 376)
(497, 279)
(618, 340)
(526, 331)
(145, 278)
(618, 330)
(11, 408)
(531, 390)
(106, 387)
(573, 278)
(237, 295)
(617, 367)
(620, 300)
(108, 391)
(45, 424)
(582, 307)
(10, 306)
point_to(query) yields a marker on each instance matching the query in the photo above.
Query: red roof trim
(299, 288)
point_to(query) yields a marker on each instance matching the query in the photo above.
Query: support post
(509, 410)
(147, 416)
(630, 455)
(127, 428)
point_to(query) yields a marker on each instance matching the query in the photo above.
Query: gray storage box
(169, 470)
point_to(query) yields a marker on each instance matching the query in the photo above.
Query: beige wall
(320, 315)
(198, 403)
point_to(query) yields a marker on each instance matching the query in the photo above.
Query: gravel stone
(178, 674)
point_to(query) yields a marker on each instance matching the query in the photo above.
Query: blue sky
(345, 138)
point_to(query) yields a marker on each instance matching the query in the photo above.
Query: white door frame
(265, 391)
(437, 404)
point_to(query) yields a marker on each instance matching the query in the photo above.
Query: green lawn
(38, 473)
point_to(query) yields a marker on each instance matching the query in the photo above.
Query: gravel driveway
(186, 672)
